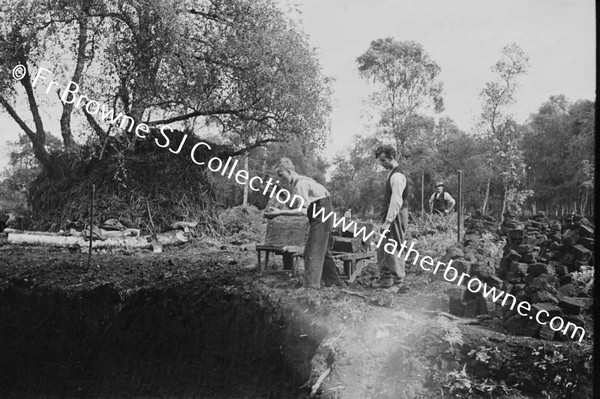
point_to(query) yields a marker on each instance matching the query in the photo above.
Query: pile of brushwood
(131, 180)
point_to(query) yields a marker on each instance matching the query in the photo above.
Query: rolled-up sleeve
(449, 198)
(398, 183)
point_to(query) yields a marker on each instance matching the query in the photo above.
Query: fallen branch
(319, 382)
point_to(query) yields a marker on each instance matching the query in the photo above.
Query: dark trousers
(392, 267)
(318, 261)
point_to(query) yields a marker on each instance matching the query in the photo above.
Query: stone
(552, 309)
(535, 269)
(513, 255)
(537, 225)
(542, 239)
(571, 330)
(525, 249)
(482, 270)
(456, 292)
(471, 308)
(462, 266)
(519, 268)
(568, 259)
(530, 257)
(513, 278)
(452, 253)
(486, 305)
(552, 290)
(456, 307)
(570, 238)
(529, 240)
(511, 224)
(546, 332)
(517, 288)
(581, 252)
(516, 234)
(470, 256)
(554, 245)
(515, 324)
(588, 303)
(575, 267)
(585, 222)
(571, 306)
(587, 243)
(493, 281)
(567, 289)
(531, 328)
(544, 296)
(586, 231)
(468, 238)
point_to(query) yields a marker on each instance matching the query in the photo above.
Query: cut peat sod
(196, 323)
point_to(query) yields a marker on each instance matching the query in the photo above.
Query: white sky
(465, 37)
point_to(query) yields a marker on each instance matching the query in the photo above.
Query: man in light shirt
(394, 216)
(441, 202)
(318, 260)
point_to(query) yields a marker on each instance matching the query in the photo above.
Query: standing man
(318, 261)
(394, 216)
(441, 202)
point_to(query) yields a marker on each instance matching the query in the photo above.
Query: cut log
(46, 240)
(35, 233)
(173, 237)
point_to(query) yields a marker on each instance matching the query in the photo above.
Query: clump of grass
(175, 187)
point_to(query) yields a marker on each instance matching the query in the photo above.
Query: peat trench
(187, 339)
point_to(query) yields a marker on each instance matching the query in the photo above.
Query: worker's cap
(439, 184)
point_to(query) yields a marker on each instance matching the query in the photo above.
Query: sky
(465, 37)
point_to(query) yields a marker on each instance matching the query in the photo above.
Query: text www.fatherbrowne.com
(451, 275)
(283, 196)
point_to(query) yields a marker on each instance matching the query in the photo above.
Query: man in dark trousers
(441, 202)
(318, 260)
(394, 216)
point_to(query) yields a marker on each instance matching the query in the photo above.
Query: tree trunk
(65, 119)
(503, 203)
(245, 200)
(487, 194)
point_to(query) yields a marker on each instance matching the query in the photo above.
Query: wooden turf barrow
(286, 236)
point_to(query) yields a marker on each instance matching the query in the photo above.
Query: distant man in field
(441, 202)
(318, 260)
(348, 214)
(394, 217)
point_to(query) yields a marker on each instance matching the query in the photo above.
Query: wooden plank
(287, 230)
(360, 264)
(347, 244)
(354, 256)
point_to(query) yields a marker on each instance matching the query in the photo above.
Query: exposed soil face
(198, 323)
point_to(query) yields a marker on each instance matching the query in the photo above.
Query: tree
(558, 149)
(239, 66)
(357, 181)
(498, 125)
(407, 77)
